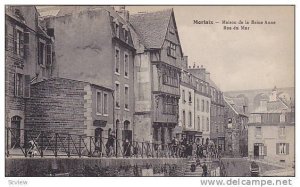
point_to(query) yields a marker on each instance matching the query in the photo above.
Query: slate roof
(151, 27)
(237, 104)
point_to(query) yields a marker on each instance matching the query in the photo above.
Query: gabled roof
(152, 27)
(236, 104)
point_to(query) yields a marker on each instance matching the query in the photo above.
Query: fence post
(69, 145)
(7, 144)
(142, 149)
(55, 146)
(90, 147)
(25, 142)
(42, 143)
(79, 146)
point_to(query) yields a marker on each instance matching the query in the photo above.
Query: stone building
(203, 101)
(236, 133)
(28, 59)
(156, 71)
(271, 130)
(94, 45)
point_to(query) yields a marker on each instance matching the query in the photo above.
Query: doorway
(15, 131)
(256, 151)
(98, 139)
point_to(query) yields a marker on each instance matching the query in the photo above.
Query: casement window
(207, 124)
(183, 96)
(126, 95)
(117, 61)
(207, 106)
(258, 131)
(183, 118)
(172, 49)
(190, 119)
(42, 53)
(126, 35)
(198, 122)
(99, 102)
(202, 105)
(105, 103)
(190, 97)
(282, 148)
(18, 40)
(117, 95)
(22, 85)
(169, 105)
(281, 131)
(126, 65)
(117, 29)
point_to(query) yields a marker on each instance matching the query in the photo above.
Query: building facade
(157, 75)
(99, 51)
(236, 131)
(28, 59)
(271, 131)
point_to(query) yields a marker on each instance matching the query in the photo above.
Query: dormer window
(117, 27)
(126, 33)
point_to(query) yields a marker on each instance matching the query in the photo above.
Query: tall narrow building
(157, 75)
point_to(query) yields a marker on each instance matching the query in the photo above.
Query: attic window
(117, 30)
(172, 30)
(172, 49)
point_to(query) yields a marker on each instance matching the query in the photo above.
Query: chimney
(273, 96)
(185, 62)
(202, 73)
(123, 13)
(207, 76)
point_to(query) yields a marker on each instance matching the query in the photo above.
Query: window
(281, 131)
(202, 105)
(190, 118)
(198, 122)
(203, 123)
(22, 85)
(169, 76)
(18, 37)
(126, 65)
(126, 35)
(258, 131)
(282, 148)
(117, 61)
(169, 105)
(105, 104)
(117, 30)
(126, 99)
(183, 96)
(207, 106)
(42, 53)
(117, 95)
(190, 97)
(172, 49)
(282, 118)
(207, 124)
(99, 102)
(183, 118)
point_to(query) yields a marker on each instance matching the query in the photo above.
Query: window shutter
(265, 150)
(27, 86)
(15, 39)
(277, 148)
(26, 44)
(287, 148)
(15, 84)
(49, 54)
(22, 44)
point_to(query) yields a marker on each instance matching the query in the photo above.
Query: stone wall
(26, 167)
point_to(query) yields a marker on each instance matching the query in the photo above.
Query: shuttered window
(22, 85)
(282, 148)
(26, 44)
(49, 54)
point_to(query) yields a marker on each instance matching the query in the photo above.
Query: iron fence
(36, 143)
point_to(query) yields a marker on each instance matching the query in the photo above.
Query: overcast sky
(238, 60)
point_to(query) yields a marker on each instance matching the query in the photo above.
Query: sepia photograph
(149, 90)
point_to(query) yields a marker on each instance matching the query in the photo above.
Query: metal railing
(36, 143)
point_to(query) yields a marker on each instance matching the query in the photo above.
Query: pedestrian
(204, 168)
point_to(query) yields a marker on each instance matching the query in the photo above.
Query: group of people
(189, 149)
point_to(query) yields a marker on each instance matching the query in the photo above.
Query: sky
(259, 58)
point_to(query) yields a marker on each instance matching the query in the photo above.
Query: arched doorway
(15, 131)
(127, 133)
(98, 139)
